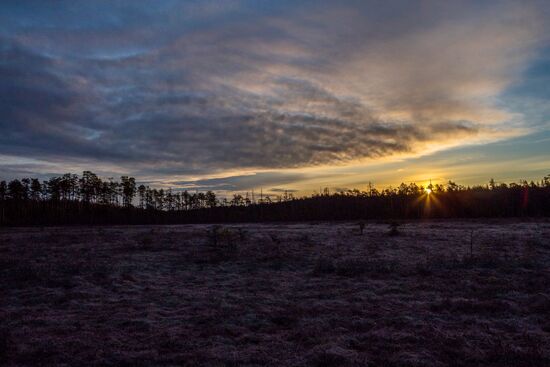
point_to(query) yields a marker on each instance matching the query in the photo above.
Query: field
(444, 293)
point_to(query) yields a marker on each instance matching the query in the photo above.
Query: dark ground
(296, 295)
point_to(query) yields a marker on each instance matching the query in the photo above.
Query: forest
(71, 199)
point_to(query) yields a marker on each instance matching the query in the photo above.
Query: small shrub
(143, 242)
(540, 303)
(423, 269)
(275, 238)
(222, 244)
(470, 306)
(213, 235)
(393, 229)
(484, 261)
(357, 267)
(436, 264)
(332, 356)
(227, 240)
(146, 241)
(268, 252)
(5, 344)
(324, 265)
(38, 275)
(242, 234)
(538, 243)
(307, 240)
(361, 227)
(506, 354)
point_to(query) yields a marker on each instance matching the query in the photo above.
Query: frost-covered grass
(299, 294)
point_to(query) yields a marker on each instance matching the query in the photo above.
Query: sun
(428, 191)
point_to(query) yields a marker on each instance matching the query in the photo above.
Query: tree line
(89, 199)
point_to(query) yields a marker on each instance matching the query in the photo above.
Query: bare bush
(222, 244)
(324, 265)
(351, 267)
(393, 229)
(361, 227)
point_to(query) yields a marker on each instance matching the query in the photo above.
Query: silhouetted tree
(142, 190)
(169, 200)
(3, 190)
(16, 190)
(237, 200)
(53, 188)
(128, 185)
(186, 200)
(26, 182)
(89, 186)
(158, 196)
(179, 201)
(60, 200)
(36, 189)
(210, 199)
(68, 186)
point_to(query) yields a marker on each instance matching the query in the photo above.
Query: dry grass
(255, 295)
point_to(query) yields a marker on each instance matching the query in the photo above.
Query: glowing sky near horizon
(276, 95)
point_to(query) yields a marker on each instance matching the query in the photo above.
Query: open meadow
(435, 293)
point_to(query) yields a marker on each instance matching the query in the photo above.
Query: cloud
(241, 183)
(239, 87)
(279, 190)
(41, 111)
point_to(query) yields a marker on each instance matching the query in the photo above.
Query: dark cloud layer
(208, 87)
(53, 112)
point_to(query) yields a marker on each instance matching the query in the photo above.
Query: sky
(236, 96)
